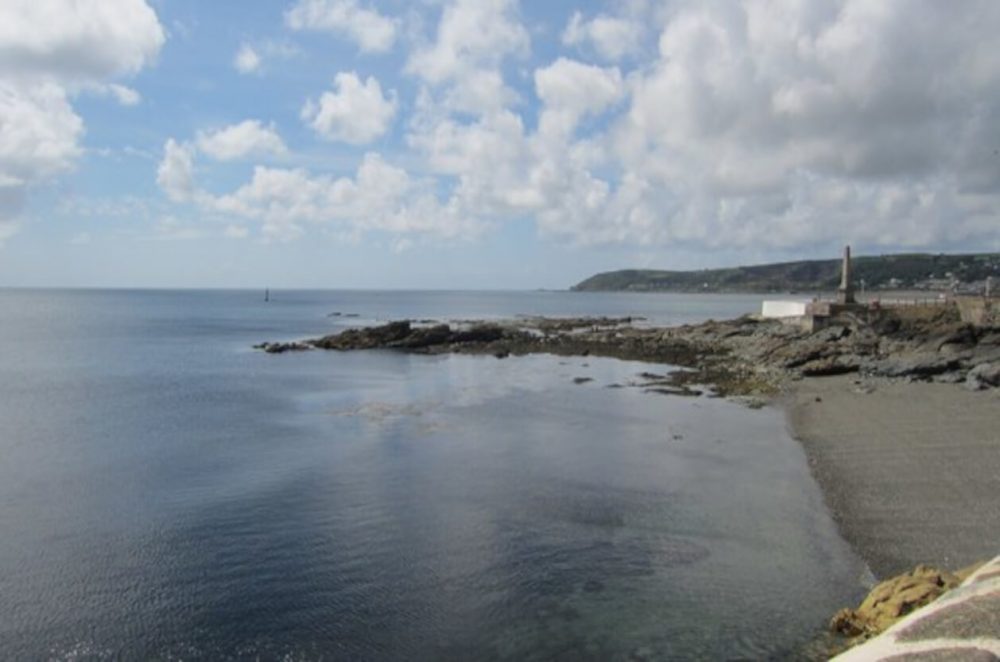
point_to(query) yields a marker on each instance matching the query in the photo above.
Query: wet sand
(911, 471)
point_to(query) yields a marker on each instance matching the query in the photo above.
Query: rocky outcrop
(983, 376)
(407, 336)
(893, 599)
(744, 356)
(282, 347)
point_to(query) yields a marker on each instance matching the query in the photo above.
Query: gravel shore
(911, 471)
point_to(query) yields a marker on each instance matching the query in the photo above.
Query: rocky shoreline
(744, 357)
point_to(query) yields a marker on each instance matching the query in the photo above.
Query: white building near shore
(781, 309)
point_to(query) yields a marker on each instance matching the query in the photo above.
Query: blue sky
(485, 143)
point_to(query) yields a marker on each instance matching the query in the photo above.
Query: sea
(169, 493)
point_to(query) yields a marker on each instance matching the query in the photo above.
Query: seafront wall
(964, 624)
(979, 310)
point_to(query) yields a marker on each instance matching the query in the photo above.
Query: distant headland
(966, 273)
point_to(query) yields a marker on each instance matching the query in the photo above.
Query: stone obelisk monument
(845, 294)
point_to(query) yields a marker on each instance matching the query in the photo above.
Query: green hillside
(903, 271)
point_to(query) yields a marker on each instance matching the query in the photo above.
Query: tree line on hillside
(882, 272)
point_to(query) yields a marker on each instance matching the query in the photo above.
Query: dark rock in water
(405, 335)
(480, 333)
(367, 338)
(674, 390)
(424, 337)
(740, 357)
(582, 380)
(651, 376)
(282, 347)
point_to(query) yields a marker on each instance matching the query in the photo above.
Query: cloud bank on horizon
(771, 125)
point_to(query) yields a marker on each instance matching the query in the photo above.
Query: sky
(456, 144)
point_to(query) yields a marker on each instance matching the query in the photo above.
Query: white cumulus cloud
(175, 174)
(246, 60)
(38, 132)
(252, 57)
(379, 197)
(77, 40)
(236, 141)
(765, 124)
(473, 39)
(612, 37)
(373, 32)
(355, 113)
(569, 90)
(49, 51)
(781, 123)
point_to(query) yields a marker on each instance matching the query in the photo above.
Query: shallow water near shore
(166, 492)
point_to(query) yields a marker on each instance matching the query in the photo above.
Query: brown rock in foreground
(962, 624)
(892, 600)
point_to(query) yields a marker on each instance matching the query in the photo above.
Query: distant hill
(903, 271)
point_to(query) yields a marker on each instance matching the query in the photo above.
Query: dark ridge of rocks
(282, 347)
(403, 335)
(744, 356)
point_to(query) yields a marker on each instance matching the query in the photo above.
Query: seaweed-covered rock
(366, 338)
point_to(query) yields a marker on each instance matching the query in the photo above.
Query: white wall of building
(783, 308)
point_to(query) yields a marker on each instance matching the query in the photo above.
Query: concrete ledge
(963, 624)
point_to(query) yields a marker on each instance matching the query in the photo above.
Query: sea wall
(979, 311)
(963, 624)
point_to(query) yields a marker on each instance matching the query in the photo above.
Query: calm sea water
(167, 492)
